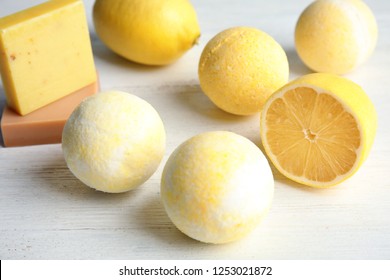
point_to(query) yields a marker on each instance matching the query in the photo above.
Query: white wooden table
(46, 213)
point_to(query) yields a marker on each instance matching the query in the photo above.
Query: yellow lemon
(217, 186)
(113, 141)
(318, 129)
(153, 32)
(335, 36)
(240, 68)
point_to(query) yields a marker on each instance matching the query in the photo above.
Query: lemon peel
(152, 32)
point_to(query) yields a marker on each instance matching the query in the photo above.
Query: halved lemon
(318, 129)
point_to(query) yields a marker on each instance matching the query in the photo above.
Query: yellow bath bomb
(153, 32)
(216, 187)
(335, 36)
(113, 141)
(240, 68)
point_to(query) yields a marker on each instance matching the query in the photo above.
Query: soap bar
(45, 125)
(45, 53)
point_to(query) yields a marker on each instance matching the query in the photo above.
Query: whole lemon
(240, 68)
(153, 32)
(217, 186)
(335, 36)
(113, 141)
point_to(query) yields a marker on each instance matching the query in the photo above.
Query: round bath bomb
(240, 68)
(217, 186)
(113, 141)
(335, 36)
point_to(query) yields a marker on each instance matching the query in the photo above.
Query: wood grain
(46, 213)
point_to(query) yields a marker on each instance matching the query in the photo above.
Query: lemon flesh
(152, 32)
(113, 141)
(318, 129)
(335, 36)
(240, 68)
(216, 187)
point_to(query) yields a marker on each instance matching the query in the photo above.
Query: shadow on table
(153, 219)
(55, 176)
(197, 107)
(297, 67)
(196, 101)
(2, 107)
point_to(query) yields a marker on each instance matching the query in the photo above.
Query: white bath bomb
(217, 186)
(113, 141)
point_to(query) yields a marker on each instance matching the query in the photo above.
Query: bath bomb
(217, 186)
(240, 68)
(336, 36)
(113, 141)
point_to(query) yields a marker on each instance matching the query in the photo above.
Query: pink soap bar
(45, 125)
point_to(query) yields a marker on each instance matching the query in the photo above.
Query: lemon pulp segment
(312, 135)
(318, 129)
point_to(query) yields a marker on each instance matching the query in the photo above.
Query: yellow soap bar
(45, 53)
